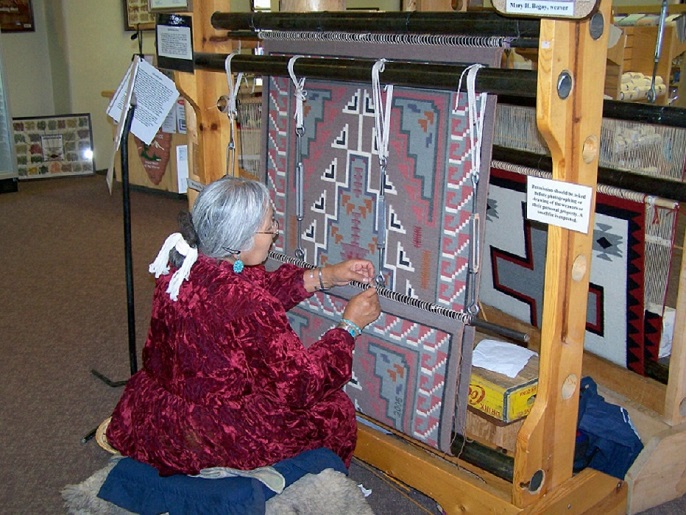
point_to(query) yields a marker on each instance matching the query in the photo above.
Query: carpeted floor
(63, 313)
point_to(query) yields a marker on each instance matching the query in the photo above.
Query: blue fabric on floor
(606, 439)
(139, 488)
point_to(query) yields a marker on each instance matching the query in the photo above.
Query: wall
(78, 50)
(57, 53)
(27, 68)
(99, 52)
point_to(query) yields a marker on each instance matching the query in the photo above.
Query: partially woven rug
(413, 220)
(329, 491)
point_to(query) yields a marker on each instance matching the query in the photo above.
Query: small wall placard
(576, 9)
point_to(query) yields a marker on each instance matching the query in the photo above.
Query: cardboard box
(501, 397)
(492, 433)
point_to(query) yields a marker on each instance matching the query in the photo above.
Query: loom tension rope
(382, 126)
(228, 106)
(300, 96)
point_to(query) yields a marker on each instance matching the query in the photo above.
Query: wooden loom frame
(543, 480)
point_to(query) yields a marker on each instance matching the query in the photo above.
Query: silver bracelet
(321, 280)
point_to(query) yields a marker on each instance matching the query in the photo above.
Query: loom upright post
(569, 108)
(208, 127)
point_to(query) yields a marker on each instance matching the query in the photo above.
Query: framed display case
(53, 146)
(137, 15)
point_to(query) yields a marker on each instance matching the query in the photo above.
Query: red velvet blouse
(226, 381)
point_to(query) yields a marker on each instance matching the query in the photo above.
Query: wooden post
(208, 135)
(571, 128)
(675, 397)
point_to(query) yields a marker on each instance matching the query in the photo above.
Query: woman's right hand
(363, 308)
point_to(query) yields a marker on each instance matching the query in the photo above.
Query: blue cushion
(139, 488)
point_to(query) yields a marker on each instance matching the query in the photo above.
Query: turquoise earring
(238, 265)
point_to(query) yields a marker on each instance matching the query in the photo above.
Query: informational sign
(153, 93)
(547, 8)
(559, 203)
(174, 42)
(155, 96)
(182, 168)
(169, 5)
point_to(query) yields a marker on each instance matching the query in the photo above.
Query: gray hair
(227, 214)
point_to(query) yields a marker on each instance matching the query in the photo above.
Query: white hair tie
(161, 264)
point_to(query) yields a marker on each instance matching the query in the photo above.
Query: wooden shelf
(635, 52)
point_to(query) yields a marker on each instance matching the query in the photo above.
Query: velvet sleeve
(286, 284)
(287, 371)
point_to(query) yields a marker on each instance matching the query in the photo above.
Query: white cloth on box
(501, 357)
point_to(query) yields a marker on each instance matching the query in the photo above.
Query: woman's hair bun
(186, 228)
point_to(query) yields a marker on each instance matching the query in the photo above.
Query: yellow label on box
(506, 403)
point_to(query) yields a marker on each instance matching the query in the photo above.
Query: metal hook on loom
(300, 96)
(382, 124)
(476, 112)
(231, 111)
(652, 93)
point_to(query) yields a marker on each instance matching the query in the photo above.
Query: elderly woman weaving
(225, 381)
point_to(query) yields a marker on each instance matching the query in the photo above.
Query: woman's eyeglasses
(273, 229)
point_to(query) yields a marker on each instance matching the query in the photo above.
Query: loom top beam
(618, 178)
(400, 73)
(669, 116)
(408, 22)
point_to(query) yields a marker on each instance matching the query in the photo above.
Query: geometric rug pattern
(429, 193)
(514, 267)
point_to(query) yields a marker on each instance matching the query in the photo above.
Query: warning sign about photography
(559, 203)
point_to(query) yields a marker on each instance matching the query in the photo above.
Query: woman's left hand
(342, 273)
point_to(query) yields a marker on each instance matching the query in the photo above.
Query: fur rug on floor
(329, 492)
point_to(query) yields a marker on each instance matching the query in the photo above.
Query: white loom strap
(161, 264)
(300, 93)
(476, 115)
(382, 115)
(233, 88)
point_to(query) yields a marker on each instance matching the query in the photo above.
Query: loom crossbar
(668, 116)
(625, 179)
(645, 113)
(410, 22)
(400, 73)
